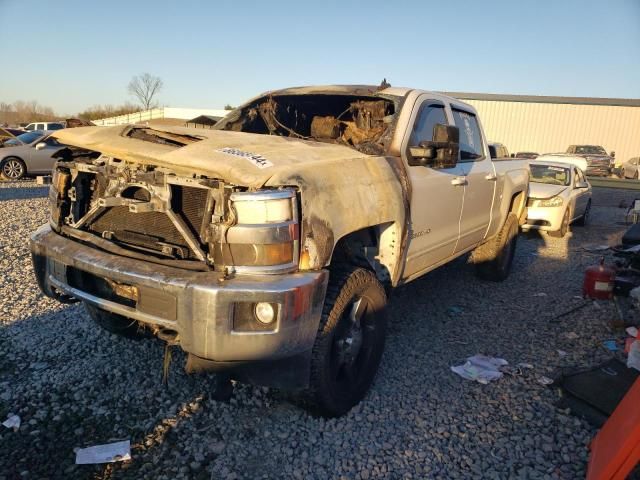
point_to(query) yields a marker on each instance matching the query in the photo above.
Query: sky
(71, 54)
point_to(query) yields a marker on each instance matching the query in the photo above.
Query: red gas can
(598, 282)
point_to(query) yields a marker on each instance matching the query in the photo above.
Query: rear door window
(471, 146)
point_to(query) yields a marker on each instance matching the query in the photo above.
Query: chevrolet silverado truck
(266, 247)
(599, 164)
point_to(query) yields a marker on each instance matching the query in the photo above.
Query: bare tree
(145, 87)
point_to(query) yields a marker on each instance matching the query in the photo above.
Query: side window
(29, 127)
(429, 115)
(471, 147)
(55, 126)
(40, 126)
(51, 142)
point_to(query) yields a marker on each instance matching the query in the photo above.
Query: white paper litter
(545, 380)
(107, 453)
(634, 249)
(481, 368)
(562, 353)
(635, 293)
(539, 294)
(12, 421)
(633, 359)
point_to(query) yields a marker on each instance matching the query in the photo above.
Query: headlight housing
(547, 202)
(60, 182)
(263, 235)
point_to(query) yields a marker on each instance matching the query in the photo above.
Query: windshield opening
(550, 174)
(358, 121)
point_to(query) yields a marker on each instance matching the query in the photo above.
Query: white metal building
(550, 124)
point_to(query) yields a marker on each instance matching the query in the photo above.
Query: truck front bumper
(200, 309)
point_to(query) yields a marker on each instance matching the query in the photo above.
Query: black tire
(350, 341)
(564, 227)
(493, 259)
(584, 219)
(114, 323)
(13, 168)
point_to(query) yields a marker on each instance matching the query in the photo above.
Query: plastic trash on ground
(12, 421)
(481, 368)
(633, 359)
(107, 453)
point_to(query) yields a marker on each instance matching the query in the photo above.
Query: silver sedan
(28, 154)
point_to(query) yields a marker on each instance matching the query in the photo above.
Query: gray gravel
(74, 385)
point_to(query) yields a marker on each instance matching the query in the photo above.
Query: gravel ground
(74, 385)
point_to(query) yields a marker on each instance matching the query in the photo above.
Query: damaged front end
(189, 258)
(195, 223)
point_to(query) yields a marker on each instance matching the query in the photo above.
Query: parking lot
(74, 385)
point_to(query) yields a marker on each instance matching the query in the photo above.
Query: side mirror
(41, 145)
(442, 152)
(582, 185)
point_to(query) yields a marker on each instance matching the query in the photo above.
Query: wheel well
(517, 206)
(17, 158)
(367, 248)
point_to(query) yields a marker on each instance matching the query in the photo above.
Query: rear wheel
(114, 323)
(493, 259)
(13, 168)
(349, 343)
(564, 227)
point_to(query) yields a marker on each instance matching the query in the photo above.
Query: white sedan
(559, 194)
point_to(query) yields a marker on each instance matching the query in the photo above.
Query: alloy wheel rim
(352, 344)
(12, 169)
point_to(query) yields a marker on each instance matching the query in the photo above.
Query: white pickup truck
(266, 247)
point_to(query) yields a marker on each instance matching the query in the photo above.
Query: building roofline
(498, 97)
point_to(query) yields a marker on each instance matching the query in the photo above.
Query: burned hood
(240, 158)
(545, 190)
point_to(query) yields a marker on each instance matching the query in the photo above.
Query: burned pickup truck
(266, 247)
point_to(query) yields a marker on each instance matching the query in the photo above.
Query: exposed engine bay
(190, 222)
(358, 121)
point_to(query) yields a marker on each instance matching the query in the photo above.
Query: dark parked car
(527, 155)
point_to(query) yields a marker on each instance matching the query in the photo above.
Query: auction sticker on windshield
(256, 159)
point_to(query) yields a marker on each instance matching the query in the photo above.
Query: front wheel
(13, 168)
(564, 226)
(493, 259)
(349, 342)
(582, 221)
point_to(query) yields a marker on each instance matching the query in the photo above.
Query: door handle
(459, 181)
(492, 177)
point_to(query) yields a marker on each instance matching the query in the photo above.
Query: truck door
(480, 176)
(436, 196)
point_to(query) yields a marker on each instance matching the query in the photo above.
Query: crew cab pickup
(266, 247)
(599, 164)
